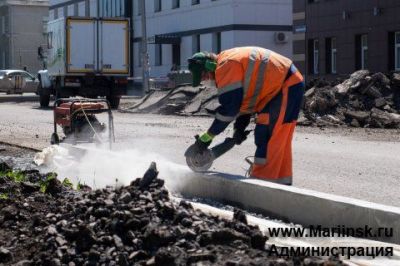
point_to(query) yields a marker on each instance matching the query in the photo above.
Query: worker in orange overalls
(254, 80)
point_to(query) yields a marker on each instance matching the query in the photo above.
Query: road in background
(359, 163)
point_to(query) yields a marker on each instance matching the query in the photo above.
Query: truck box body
(79, 46)
(114, 46)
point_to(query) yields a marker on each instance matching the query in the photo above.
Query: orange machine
(76, 116)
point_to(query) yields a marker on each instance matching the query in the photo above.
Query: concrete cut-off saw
(202, 161)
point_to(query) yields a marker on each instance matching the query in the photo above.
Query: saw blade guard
(199, 161)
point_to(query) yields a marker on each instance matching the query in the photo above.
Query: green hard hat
(198, 63)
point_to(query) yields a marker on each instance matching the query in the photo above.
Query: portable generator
(77, 118)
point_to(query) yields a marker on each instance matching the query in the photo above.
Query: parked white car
(14, 81)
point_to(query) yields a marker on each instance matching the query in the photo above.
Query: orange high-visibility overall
(273, 89)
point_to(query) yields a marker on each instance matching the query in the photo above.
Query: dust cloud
(98, 166)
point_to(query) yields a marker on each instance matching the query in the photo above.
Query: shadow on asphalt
(18, 98)
(226, 175)
(50, 108)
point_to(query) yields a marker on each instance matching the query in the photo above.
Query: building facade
(299, 34)
(337, 37)
(21, 33)
(88, 8)
(178, 28)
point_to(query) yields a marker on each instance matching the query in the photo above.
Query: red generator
(76, 117)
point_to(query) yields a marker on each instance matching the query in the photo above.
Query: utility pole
(145, 61)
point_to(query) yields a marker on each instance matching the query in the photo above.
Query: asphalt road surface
(358, 163)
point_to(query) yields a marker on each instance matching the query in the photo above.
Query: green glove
(206, 137)
(203, 141)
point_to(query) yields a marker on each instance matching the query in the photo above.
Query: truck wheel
(54, 139)
(44, 100)
(114, 101)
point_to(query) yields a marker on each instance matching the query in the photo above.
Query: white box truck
(88, 57)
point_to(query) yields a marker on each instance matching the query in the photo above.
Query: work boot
(283, 181)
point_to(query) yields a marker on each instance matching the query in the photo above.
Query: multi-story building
(178, 28)
(337, 37)
(21, 33)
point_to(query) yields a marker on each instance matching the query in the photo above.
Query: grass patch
(18, 177)
(4, 196)
(67, 183)
(44, 184)
(14, 176)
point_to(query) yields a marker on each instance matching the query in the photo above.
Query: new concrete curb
(291, 204)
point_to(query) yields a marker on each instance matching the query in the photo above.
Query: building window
(364, 51)
(3, 24)
(87, 8)
(50, 40)
(195, 2)
(315, 56)
(112, 8)
(176, 4)
(361, 55)
(176, 56)
(76, 10)
(106, 9)
(397, 50)
(92, 8)
(3, 60)
(139, 7)
(70, 10)
(118, 8)
(157, 5)
(333, 56)
(139, 55)
(217, 42)
(330, 55)
(159, 55)
(196, 43)
(122, 8)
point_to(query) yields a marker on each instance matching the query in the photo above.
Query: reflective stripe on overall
(264, 78)
(259, 72)
(276, 122)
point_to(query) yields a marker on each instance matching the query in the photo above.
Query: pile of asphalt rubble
(362, 100)
(133, 225)
(186, 100)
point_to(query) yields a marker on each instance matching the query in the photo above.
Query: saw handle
(223, 147)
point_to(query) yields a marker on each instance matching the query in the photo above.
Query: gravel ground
(359, 163)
